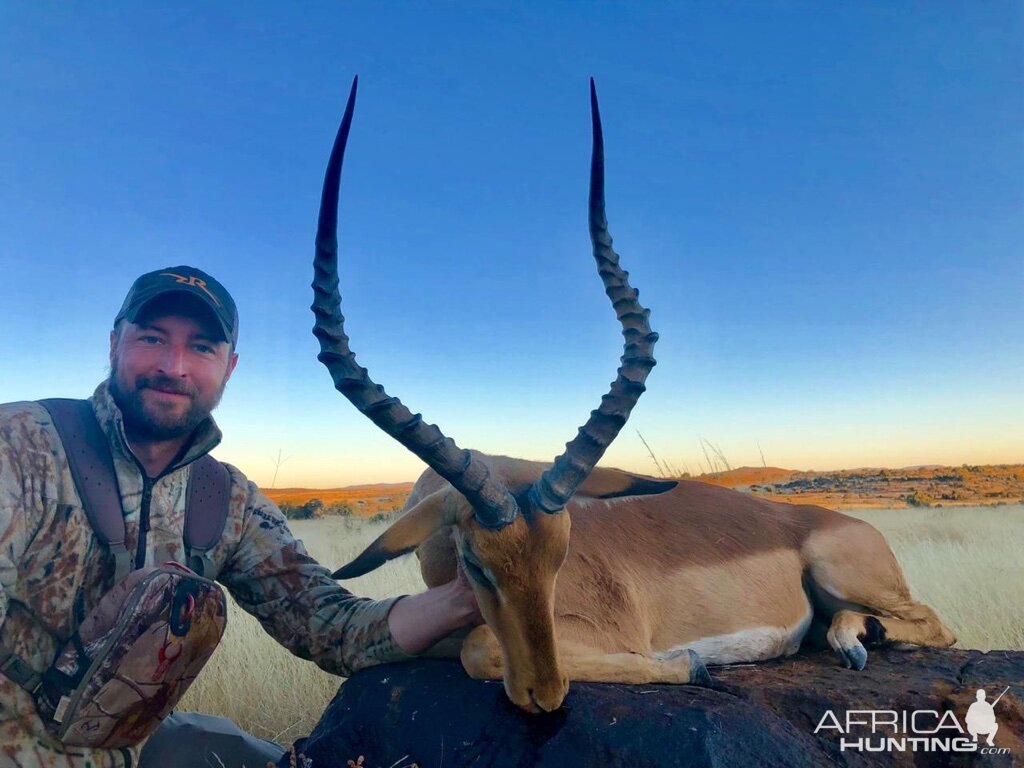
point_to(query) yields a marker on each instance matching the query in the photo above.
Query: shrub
(386, 515)
(311, 509)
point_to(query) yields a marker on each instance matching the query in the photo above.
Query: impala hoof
(699, 674)
(847, 627)
(857, 657)
(854, 657)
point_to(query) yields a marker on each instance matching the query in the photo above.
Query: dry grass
(965, 562)
(254, 681)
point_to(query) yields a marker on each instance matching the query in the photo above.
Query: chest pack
(135, 654)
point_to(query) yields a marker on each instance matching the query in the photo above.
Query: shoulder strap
(206, 513)
(92, 468)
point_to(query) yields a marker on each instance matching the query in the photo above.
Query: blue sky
(821, 203)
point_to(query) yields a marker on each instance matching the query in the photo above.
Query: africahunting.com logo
(918, 730)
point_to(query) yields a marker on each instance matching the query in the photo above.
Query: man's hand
(465, 599)
(419, 621)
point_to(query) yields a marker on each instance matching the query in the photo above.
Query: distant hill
(922, 486)
(298, 495)
(361, 500)
(749, 476)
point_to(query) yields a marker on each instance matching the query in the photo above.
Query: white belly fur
(754, 644)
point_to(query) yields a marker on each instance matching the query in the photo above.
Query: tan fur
(646, 578)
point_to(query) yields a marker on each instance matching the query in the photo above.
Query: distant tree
(289, 510)
(338, 508)
(386, 515)
(313, 508)
(308, 511)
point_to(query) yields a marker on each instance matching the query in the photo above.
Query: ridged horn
(492, 503)
(559, 483)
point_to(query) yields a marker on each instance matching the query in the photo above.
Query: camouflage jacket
(53, 570)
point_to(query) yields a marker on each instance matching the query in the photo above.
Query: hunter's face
(167, 373)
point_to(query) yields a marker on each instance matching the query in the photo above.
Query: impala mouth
(540, 709)
(527, 703)
(537, 701)
(536, 708)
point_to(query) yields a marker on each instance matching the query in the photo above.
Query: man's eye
(203, 349)
(149, 339)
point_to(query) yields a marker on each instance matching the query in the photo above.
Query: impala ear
(612, 483)
(408, 532)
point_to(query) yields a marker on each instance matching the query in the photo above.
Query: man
(172, 351)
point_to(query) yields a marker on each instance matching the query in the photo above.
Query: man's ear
(113, 345)
(232, 362)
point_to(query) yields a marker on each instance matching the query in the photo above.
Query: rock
(430, 713)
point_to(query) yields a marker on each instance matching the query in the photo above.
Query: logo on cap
(193, 281)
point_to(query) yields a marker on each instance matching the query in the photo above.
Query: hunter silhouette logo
(981, 717)
(192, 280)
(919, 730)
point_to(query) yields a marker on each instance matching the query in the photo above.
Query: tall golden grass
(965, 562)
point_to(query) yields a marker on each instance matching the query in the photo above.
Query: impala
(658, 577)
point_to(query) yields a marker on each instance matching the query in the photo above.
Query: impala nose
(548, 698)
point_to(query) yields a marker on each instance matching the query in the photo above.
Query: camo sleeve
(26, 486)
(295, 599)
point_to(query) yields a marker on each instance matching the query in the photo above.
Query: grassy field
(965, 562)
(254, 681)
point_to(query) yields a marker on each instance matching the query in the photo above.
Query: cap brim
(132, 313)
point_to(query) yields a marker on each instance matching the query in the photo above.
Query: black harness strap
(92, 468)
(206, 513)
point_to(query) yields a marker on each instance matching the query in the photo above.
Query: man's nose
(172, 362)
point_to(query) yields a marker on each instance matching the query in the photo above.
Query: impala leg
(481, 657)
(859, 584)
(910, 622)
(682, 667)
(481, 654)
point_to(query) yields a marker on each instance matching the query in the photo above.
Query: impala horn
(558, 484)
(493, 505)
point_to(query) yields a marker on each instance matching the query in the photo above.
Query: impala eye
(475, 571)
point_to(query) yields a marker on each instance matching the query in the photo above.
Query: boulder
(431, 714)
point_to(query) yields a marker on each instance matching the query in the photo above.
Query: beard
(152, 423)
